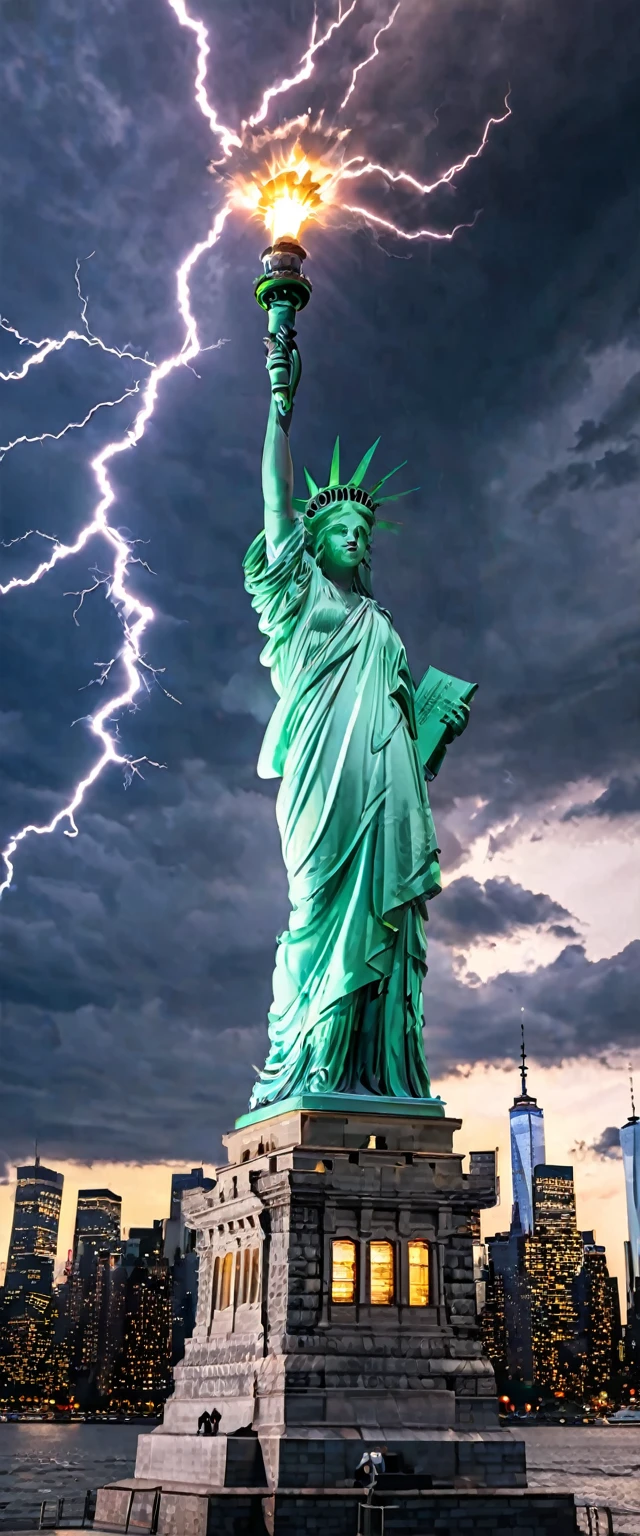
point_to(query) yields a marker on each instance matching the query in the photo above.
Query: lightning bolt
(306, 66)
(228, 139)
(71, 426)
(43, 349)
(406, 234)
(347, 172)
(373, 55)
(135, 615)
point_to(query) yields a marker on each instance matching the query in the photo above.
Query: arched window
(215, 1284)
(227, 1279)
(244, 1259)
(254, 1291)
(382, 1275)
(343, 1270)
(418, 1274)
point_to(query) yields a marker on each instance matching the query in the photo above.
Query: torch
(282, 289)
(284, 201)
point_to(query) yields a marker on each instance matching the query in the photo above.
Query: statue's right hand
(283, 366)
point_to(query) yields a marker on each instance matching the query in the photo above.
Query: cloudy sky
(505, 366)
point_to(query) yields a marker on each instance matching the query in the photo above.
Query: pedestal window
(254, 1285)
(215, 1285)
(343, 1270)
(228, 1265)
(382, 1278)
(418, 1274)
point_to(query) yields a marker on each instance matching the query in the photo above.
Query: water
(52, 1461)
(38, 1461)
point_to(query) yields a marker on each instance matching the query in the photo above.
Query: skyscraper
(593, 1292)
(34, 1233)
(36, 1212)
(180, 1251)
(527, 1148)
(553, 1259)
(630, 1143)
(182, 1181)
(97, 1220)
(29, 1311)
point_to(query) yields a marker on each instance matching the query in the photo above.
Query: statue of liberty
(358, 837)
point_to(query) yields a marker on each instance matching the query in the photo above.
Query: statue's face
(347, 539)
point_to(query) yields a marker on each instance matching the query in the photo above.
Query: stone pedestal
(309, 1360)
(316, 1376)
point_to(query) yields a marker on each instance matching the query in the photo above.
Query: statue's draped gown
(358, 838)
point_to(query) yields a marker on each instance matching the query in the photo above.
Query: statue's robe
(358, 838)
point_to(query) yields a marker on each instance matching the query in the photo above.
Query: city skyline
(600, 1189)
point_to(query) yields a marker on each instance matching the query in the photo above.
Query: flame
(287, 194)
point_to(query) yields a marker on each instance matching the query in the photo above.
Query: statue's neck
(340, 578)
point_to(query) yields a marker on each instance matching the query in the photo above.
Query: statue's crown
(337, 491)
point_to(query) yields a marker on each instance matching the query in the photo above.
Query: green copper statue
(358, 838)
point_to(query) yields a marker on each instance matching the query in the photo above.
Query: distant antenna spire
(37, 1154)
(523, 1057)
(633, 1102)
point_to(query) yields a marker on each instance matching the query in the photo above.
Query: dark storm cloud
(607, 1144)
(136, 959)
(619, 419)
(613, 469)
(575, 1008)
(620, 798)
(467, 910)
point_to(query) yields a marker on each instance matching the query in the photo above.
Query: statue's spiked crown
(322, 499)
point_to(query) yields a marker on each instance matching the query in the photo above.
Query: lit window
(381, 1259)
(227, 1276)
(343, 1270)
(418, 1274)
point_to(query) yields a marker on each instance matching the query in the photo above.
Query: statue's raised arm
(283, 364)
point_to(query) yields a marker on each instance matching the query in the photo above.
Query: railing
(595, 1520)
(70, 1511)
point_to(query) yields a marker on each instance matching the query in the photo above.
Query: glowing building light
(343, 1270)
(382, 1275)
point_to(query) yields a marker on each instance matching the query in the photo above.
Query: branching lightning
(370, 58)
(405, 234)
(71, 426)
(367, 168)
(134, 614)
(306, 67)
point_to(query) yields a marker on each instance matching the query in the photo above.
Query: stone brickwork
(312, 1374)
(288, 1360)
(333, 1512)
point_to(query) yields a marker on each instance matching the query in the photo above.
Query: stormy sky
(504, 365)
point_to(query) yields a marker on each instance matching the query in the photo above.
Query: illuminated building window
(418, 1274)
(254, 1291)
(227, 1278)
(382, 1277)
(343, 1270)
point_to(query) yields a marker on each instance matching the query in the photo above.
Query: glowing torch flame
(287, 196)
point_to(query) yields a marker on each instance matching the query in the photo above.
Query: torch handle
(282, 290)
(284, 371)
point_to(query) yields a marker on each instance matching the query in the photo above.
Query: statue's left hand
(456, 719)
